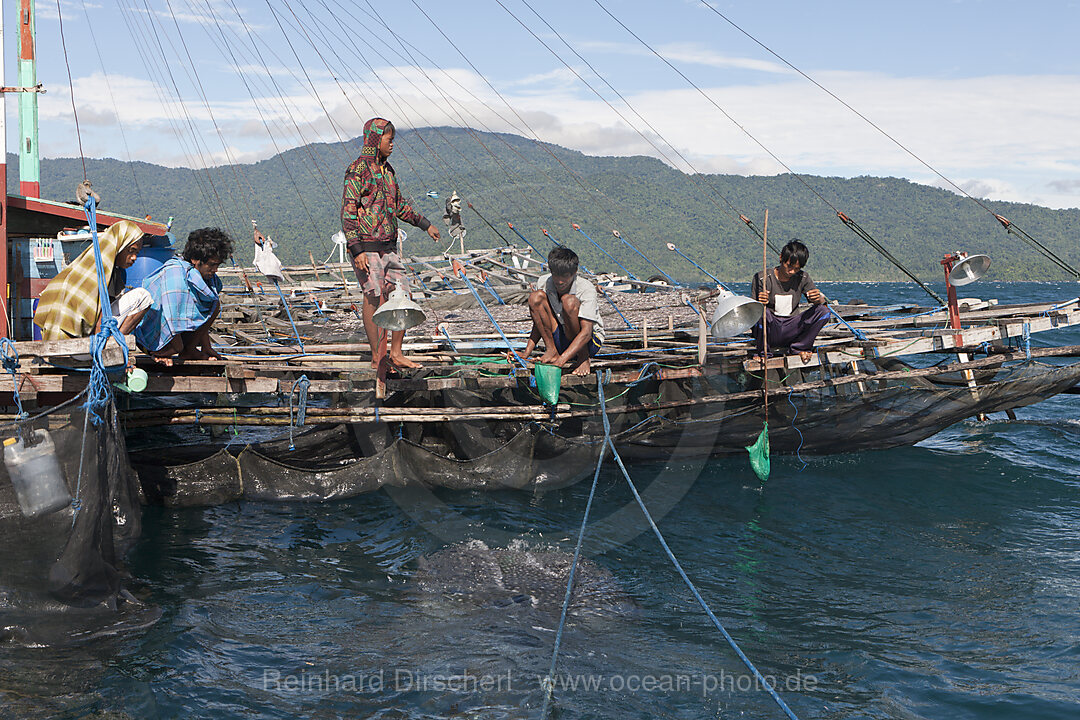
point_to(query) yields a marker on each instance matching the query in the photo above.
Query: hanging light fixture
(399, 312)
(734, 315)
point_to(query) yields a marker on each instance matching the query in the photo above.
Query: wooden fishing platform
(655, 329)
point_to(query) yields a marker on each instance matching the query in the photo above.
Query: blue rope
(491, 317)
(288, 312)
(301, 412)
(525, 239)
(549, 683)
(682, 573)
(492, 291)
(453, 347)
(859, 334)
(606, 253)
(630, 245)
(680, 252)
(1027, 340)
(10, 359)
(555, 242)
(798, 454)
(1060, 305)
(100, 389)
(318, 309)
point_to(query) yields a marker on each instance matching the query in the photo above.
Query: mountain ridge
(295, 198)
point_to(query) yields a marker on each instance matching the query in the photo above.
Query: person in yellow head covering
(70, 305)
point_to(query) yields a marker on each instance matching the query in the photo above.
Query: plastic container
(548, 380)
(135, 381)
(35, 474)
(156, 250)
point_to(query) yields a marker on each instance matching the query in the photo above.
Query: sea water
(935, 581)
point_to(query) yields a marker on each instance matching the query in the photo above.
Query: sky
(983, 94)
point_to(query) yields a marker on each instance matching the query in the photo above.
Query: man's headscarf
(374, 129)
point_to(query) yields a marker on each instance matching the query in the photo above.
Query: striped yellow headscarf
(69, 305)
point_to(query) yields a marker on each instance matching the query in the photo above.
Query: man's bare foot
(162, 360)
(193, 354)
(582, 369)
(400, 361)
(806, 355)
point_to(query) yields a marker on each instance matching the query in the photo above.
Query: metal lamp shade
(735, 315)
(398, 312)
(969, 269)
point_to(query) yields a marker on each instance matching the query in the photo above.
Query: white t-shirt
(584, 291)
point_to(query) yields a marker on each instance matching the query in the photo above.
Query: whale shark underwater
(520, 575)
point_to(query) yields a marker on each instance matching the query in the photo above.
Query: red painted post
(4, 294)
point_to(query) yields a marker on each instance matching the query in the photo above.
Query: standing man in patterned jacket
(371, 205)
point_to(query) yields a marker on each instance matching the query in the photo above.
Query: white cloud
(1009, 137)
(222, 15)
(699, 55)
(73, 11)
(685, 52)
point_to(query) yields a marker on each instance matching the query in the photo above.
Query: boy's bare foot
(806, 355)
(582, 369)
(400, 361)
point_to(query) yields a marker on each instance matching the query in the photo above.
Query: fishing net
(342, 460)
(70, 551)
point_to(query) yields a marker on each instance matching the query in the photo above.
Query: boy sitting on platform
(185, 300)
(780, 292)
(565, 314)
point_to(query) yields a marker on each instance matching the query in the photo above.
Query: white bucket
(36, 474)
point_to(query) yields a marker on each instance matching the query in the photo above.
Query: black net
(76, 512)
(652, 420)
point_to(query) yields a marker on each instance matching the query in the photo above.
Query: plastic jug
(135, 381)
(36, 474)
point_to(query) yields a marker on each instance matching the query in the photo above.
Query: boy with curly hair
(185, 300)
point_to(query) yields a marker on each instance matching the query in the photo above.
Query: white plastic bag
(266, 261)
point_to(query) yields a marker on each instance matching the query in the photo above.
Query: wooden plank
(65, 348)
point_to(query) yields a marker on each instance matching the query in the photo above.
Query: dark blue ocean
(936, 581)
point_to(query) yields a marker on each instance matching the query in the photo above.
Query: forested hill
(295, 199)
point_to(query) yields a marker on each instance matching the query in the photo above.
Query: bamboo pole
(527, 412)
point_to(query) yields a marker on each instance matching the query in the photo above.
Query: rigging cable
(1009, 227)
(696, 177)
(71, 87)
(465, 125)
(262, 117)
(116, 109)
(158, 31)
(865, 236)
(392, 96)
(543, 145)
(153, 71)
(237, 171)
(278, 93)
